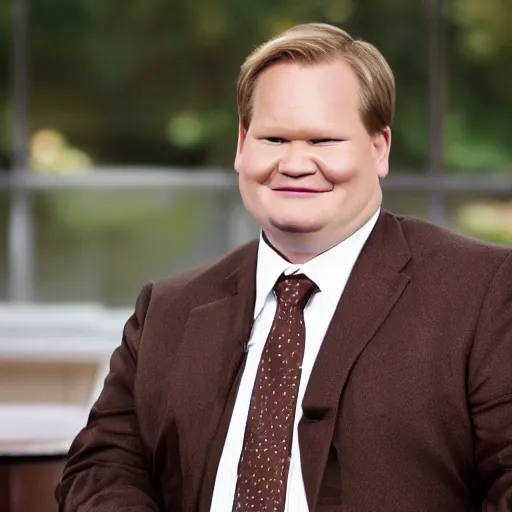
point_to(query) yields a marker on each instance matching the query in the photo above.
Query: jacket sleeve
(490, 392)
(107, 469)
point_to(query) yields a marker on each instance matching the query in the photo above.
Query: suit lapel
(212, 351)
(375, 285)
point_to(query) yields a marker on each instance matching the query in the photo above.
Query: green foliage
(490, 221)
(152, 81)
(486, 26)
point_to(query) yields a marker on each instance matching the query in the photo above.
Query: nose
(296, 160)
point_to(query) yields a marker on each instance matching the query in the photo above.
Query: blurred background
(118, 130)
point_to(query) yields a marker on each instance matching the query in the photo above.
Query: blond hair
(316, 43)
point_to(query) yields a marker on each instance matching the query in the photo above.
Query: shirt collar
(341, 257)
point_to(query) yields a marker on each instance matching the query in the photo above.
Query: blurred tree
(152, 81)
(480, 87)
(486, 25)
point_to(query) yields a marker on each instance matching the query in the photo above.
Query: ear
(381, 146)
(242, 136)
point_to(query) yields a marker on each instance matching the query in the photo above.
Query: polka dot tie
(265, 458)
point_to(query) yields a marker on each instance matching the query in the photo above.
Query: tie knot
(294, 290)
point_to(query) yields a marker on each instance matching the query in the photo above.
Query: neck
(295, 250)
(299, 248)
(295, 253)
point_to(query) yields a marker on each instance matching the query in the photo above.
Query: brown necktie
(265, 458)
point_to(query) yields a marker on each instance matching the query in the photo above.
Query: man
(348, 361)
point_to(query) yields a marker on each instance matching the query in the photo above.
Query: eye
(324, 141)
(275, 140)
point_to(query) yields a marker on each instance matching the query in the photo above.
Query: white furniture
(53, 361)
(59, 332)
(39, 429)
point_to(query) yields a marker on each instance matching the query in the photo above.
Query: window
(118, 128)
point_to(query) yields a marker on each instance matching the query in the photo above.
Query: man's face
(308, 169)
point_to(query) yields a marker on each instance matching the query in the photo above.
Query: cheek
(257, 163)
(344, 165)
(338, 167)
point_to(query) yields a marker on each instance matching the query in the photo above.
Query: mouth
(297, 191)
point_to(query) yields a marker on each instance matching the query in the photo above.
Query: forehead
(291, 90)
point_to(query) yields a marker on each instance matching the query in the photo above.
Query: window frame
(21, 183)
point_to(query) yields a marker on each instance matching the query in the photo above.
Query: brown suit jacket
(408, 409)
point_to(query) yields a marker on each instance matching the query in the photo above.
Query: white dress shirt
(330, 272)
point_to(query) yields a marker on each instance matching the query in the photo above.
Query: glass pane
(406, 203)
(479, 86)
(5, 84)
(5, 137)
(403, 40)
(152, 82)
(484, 216)
(103, 246)
(4, 213)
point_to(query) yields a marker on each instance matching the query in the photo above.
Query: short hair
(316, 43)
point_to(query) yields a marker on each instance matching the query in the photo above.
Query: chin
(297, 227)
